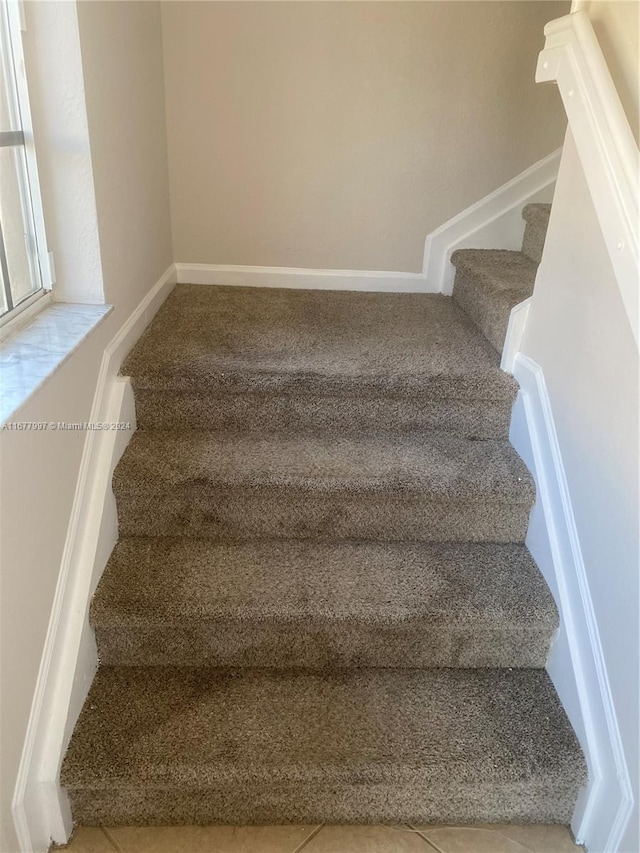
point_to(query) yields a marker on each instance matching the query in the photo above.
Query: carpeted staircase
(320, 608)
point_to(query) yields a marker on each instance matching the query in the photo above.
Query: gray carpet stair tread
(489, 283)
(176, 602)
(315, 341)
(500, 272)
(194, 727)
(536, 217)
(537, 214)
(434, 463)
(356, 414)
(160, 581)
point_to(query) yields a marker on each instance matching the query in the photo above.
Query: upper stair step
(260, 360)
(536, 217)
(197, 746)
(194, 602)
(488, 284)
(425, 487)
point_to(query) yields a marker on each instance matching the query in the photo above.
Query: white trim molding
(576, 663)
(494, 222)
(606, 146)
(515, 333)
(40, 808)
(295, 277)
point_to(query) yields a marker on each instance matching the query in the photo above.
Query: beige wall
(337, 135)
(121, 46)
(122, 64)
(617, 26)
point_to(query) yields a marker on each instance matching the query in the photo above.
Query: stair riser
(303, 644)
(276, 514)
(533, 240)
(488, 314)
(418, 802)
(260, 414)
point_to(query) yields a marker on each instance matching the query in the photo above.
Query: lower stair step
(194, 602)
(421, 487)
(196, 746)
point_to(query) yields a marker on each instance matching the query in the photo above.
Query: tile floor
(492, 838)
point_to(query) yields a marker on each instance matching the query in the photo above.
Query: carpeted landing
(321, 608)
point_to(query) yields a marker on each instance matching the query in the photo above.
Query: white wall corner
(494, 222)
(40, 807)
(576, 662)
(515, 333)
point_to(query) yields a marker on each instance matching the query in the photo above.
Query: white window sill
(33, 353)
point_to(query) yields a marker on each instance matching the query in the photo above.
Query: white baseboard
(294, 277)
(494, 222)
(576, 663)
(40, 808)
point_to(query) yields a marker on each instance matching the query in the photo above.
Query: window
(25, 266)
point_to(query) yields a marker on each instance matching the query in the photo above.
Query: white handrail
(610, 158)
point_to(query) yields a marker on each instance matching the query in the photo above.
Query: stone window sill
(34, 352)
